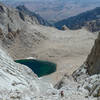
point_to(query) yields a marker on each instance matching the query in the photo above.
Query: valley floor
(69, 49)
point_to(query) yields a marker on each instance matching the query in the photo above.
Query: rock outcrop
(93, 60)
(93, 26)
(65, 28)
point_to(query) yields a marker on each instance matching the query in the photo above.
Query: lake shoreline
(39, 67)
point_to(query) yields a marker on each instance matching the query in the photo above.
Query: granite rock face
(12, 23)
(16, 30)
(93, 60)
(88, 75)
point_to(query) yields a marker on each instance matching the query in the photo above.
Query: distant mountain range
(55, 10)
(90, 19)
(33, 15)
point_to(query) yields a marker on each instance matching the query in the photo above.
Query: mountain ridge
(59, 9)
(79, 21)
(41, 21)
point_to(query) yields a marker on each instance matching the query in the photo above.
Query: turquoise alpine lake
(41, 68)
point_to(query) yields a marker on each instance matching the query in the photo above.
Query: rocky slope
(14, 24)
(84, 19)
(18, 82)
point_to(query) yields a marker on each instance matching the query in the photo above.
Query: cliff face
(92, 63)
(89, 73)
(93, 60)
(16, 30)
(12, 22)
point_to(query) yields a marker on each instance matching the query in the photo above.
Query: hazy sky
(50, 0)
(78, 1)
